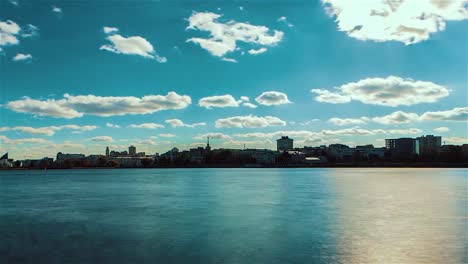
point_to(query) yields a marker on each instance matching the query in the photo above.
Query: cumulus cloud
(134, 45)
(109, 30)
(146, 126)
(18, 141)
(180, 123)
(391, 91)
(50, 130)
(249, 121)
(398, 117)
(455, 140)
(9, 31)
(22, 57)
(459, 114)
(224, 36)
(76, 106)
(325, 96)
(406, 21)
(102, 139)
(442, 129)
(455, 114)
(357, 131)
(272, 98)
(226, 100)
(212, 136)
(348, 121)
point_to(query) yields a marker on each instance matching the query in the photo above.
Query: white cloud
(77, 106)
(455, 114)
(134, 45)
(229, 60)
(406, 21)
(272, 98)
(356, 131)
(442, 129)
(102, 139)
(15, 3)
(112, 125)
(455, 140)
(391, 91)
(398, 117)
(50, 130)
(325, 96)
(226, 100)
(167, 135)
(22, 57)
(7, 140)
(109, 30)
(249, 121)
(146, 126)
(212, 136)
(284, 19)
(249, 105)
(146, 142)
(257, 51)
(348, 121)
(277, 134)
(56, 9)
(8, 32)
(180, 123)
(245, 98)
(224, 36)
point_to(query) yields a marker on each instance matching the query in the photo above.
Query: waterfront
(234, 216)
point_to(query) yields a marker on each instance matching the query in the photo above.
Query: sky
(77, 76)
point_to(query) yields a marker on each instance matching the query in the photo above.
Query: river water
(234, 216)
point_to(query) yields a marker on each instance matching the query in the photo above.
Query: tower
(208, 148)
(107, 152)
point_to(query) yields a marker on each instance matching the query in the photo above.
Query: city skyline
(158, 75)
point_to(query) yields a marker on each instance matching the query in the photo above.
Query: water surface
(234, 216)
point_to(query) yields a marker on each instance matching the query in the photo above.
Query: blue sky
(78, 76)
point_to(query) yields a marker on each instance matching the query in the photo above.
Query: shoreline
(293, 166)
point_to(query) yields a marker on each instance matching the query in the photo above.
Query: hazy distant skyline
(80, 76)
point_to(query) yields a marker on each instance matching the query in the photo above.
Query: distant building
(402, 146)
(61, 156)
(429, 144)
(107, 152)
(284, 144)
(341, 152)
(132, 151)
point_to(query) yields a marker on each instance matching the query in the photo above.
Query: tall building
(132, 151)
(402, 145)
(107, 152)
(429, 143)
(284, 144)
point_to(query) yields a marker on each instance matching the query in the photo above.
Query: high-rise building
(402, 145)
(284, 144)
(429, 143)
(132, 151)
(107, 152)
